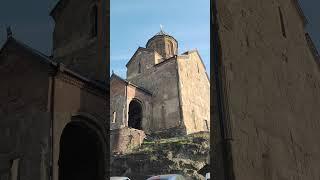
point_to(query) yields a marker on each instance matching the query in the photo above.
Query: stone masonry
(271, 89)
(173, 89)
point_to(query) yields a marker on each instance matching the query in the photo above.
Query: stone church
(162, 90)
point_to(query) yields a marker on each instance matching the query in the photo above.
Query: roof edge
(312, 47)
(300, 12)
(62, 68)
(160, 35)
(130, 83)
(139, 49)
(197, 52)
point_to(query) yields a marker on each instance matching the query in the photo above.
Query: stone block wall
(73, 43)
(125, 139)
(141, 61)
(24, 114)
(146, 102)
(195, 92)
(272, 86)
(118, 103)
(74, 97)
(162, 81)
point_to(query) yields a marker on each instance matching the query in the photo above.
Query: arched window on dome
(94, 21)
(171, 48)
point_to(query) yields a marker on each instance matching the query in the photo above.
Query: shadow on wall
(83, 144)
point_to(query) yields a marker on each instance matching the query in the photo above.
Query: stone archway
(135, 114)
(81, 153)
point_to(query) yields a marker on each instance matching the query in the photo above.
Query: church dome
(164, 44)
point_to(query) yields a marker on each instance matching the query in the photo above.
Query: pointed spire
(9, 32)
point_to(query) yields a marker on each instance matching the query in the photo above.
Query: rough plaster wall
(161, 80)
(195, 93)
(24, 119)
(146, 58)
(273, 90)
(145, 99)
(69, 100)
(118, 103)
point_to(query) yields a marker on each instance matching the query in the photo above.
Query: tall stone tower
(78, 29)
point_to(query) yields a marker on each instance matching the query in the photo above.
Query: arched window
(139, 68)
(94, 21)
(171, 48)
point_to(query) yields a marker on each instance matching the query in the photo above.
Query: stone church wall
(118, 104)
(195, 93)
(25, 119)
(121, 95)
(146, 58)
(73, 43)
(146, 100)
(272, 88)
(74, 97)
(162, 80)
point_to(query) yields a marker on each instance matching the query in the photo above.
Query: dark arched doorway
(135, 114)
(81, 153)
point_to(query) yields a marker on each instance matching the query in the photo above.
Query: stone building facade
(53, 109)
(271, 91)
(163, 90)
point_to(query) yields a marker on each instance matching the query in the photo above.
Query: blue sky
(134, 22)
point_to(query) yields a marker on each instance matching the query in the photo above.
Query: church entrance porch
(81, 153)
(135, 114)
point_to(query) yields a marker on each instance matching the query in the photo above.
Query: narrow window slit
(282, 23)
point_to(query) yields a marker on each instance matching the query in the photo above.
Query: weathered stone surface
(122, 93)
(272, 87)
(125, 140)
(75, 99)
(24, 117)
(73, 43)
(165, 100)
(194, 91)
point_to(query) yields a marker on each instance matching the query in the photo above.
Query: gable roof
(196, 51)
(42, 57)
(138, 50)
(58, 66)
(114, 76)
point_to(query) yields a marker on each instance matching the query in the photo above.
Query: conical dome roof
(164, 44)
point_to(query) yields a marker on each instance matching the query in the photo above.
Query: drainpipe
(52, 75)
(228, 171)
